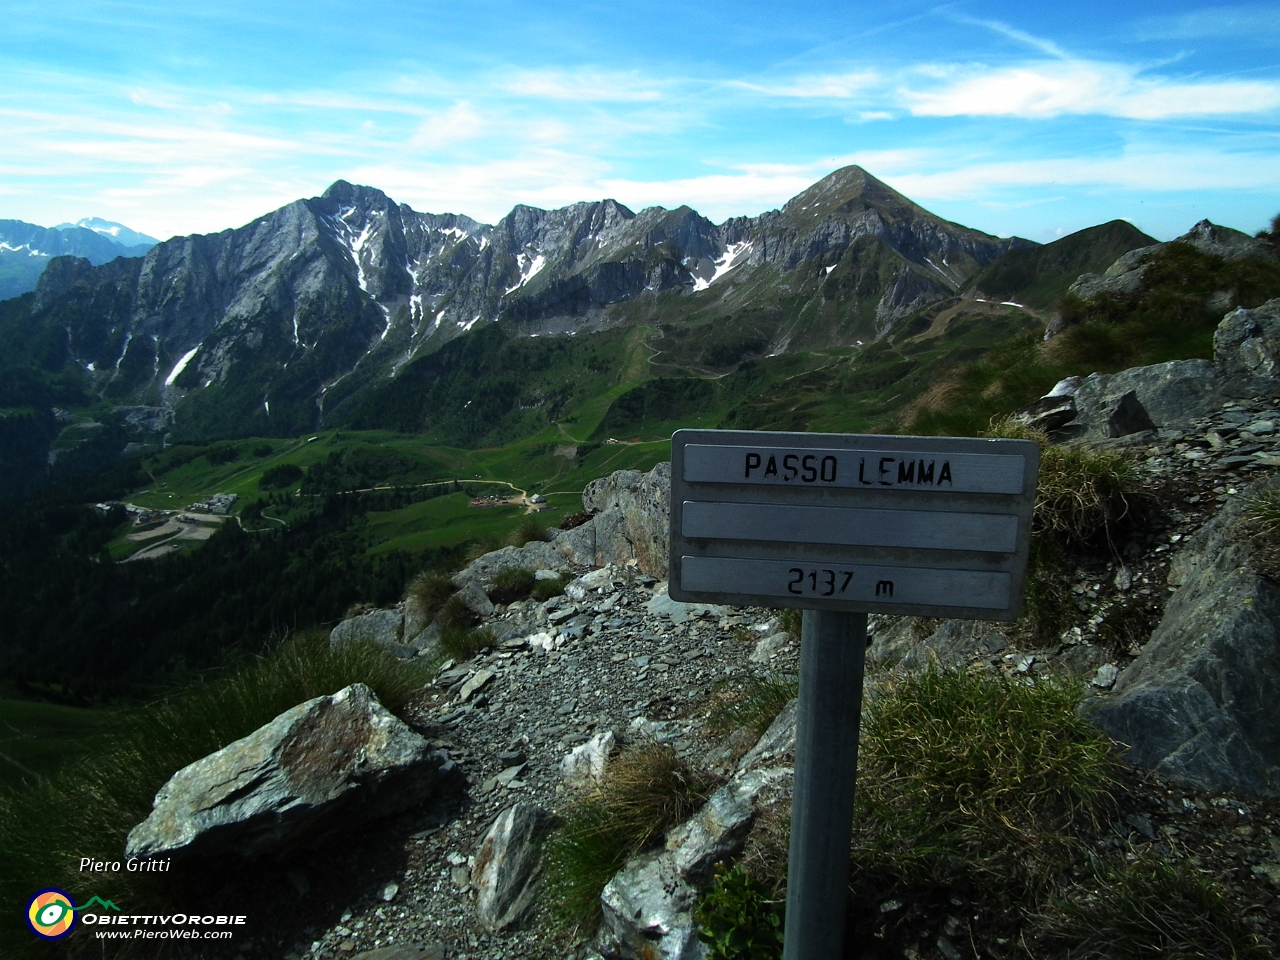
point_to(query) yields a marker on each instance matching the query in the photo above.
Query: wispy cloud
(837, 86)
(1055, 88)
(1013, 33)
(1252, 22)
(583, 86)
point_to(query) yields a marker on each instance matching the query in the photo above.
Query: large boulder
(337, 759)
(1171, 395)
(1198, 704)
(508, 866)
(1246, 351)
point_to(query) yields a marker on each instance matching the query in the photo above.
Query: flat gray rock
(342, 757)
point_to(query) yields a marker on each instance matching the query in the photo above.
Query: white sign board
(926, 526)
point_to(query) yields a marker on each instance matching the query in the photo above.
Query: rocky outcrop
(341, 757)
(648, 906)
(508, 866)
(383, 627)
(1124, 277)
(1198, 702)
(1246, 351)
(584, 765)
(631, 512)
(1171, 394)
(1168, 396)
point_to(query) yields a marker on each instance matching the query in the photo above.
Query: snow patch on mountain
(734, 254)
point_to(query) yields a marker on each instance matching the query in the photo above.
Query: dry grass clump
(526, 531)
(974, 776)
(646, 790)
(1081, 494)
(511, 585)
(1147, 910)
(430, 591)
(1262, 528)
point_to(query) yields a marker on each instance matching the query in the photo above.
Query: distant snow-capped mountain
(117, 232)
(26, 249)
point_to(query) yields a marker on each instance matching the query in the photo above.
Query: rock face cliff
(274, 327)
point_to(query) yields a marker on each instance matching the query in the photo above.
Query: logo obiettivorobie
(51, 914)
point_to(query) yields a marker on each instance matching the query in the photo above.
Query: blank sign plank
(858, 526)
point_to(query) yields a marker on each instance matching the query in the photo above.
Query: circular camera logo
(51, 914)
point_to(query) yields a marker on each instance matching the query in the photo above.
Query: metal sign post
(841, 525)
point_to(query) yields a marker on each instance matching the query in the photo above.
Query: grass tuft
(526, 531)
(1081, 494)
(646, 790)
(511, 585)
(751, 704)
(971, 775)
(792, 622)
(463, 643)
(429, 592)
(546, 589)
(1148, 910)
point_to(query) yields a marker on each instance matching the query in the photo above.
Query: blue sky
(1015, 118)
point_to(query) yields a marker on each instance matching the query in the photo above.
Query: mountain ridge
(291, 316)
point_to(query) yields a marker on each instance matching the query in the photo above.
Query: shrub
(455, 615)
(429, 591)
(511, 585)
(88, 807)
(263, 450)
(966, 776)
(527, 530)
(646, 790)
(280, 476)
(754, 703)
(546, 589)
(1146, 910)
(220, 456)
(737, 920)
(463, 643)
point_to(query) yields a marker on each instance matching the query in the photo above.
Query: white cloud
(1055, 88)
(459, 122)
(1159, 171)
(836, 86)
(582, 86)
(1249, 22)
